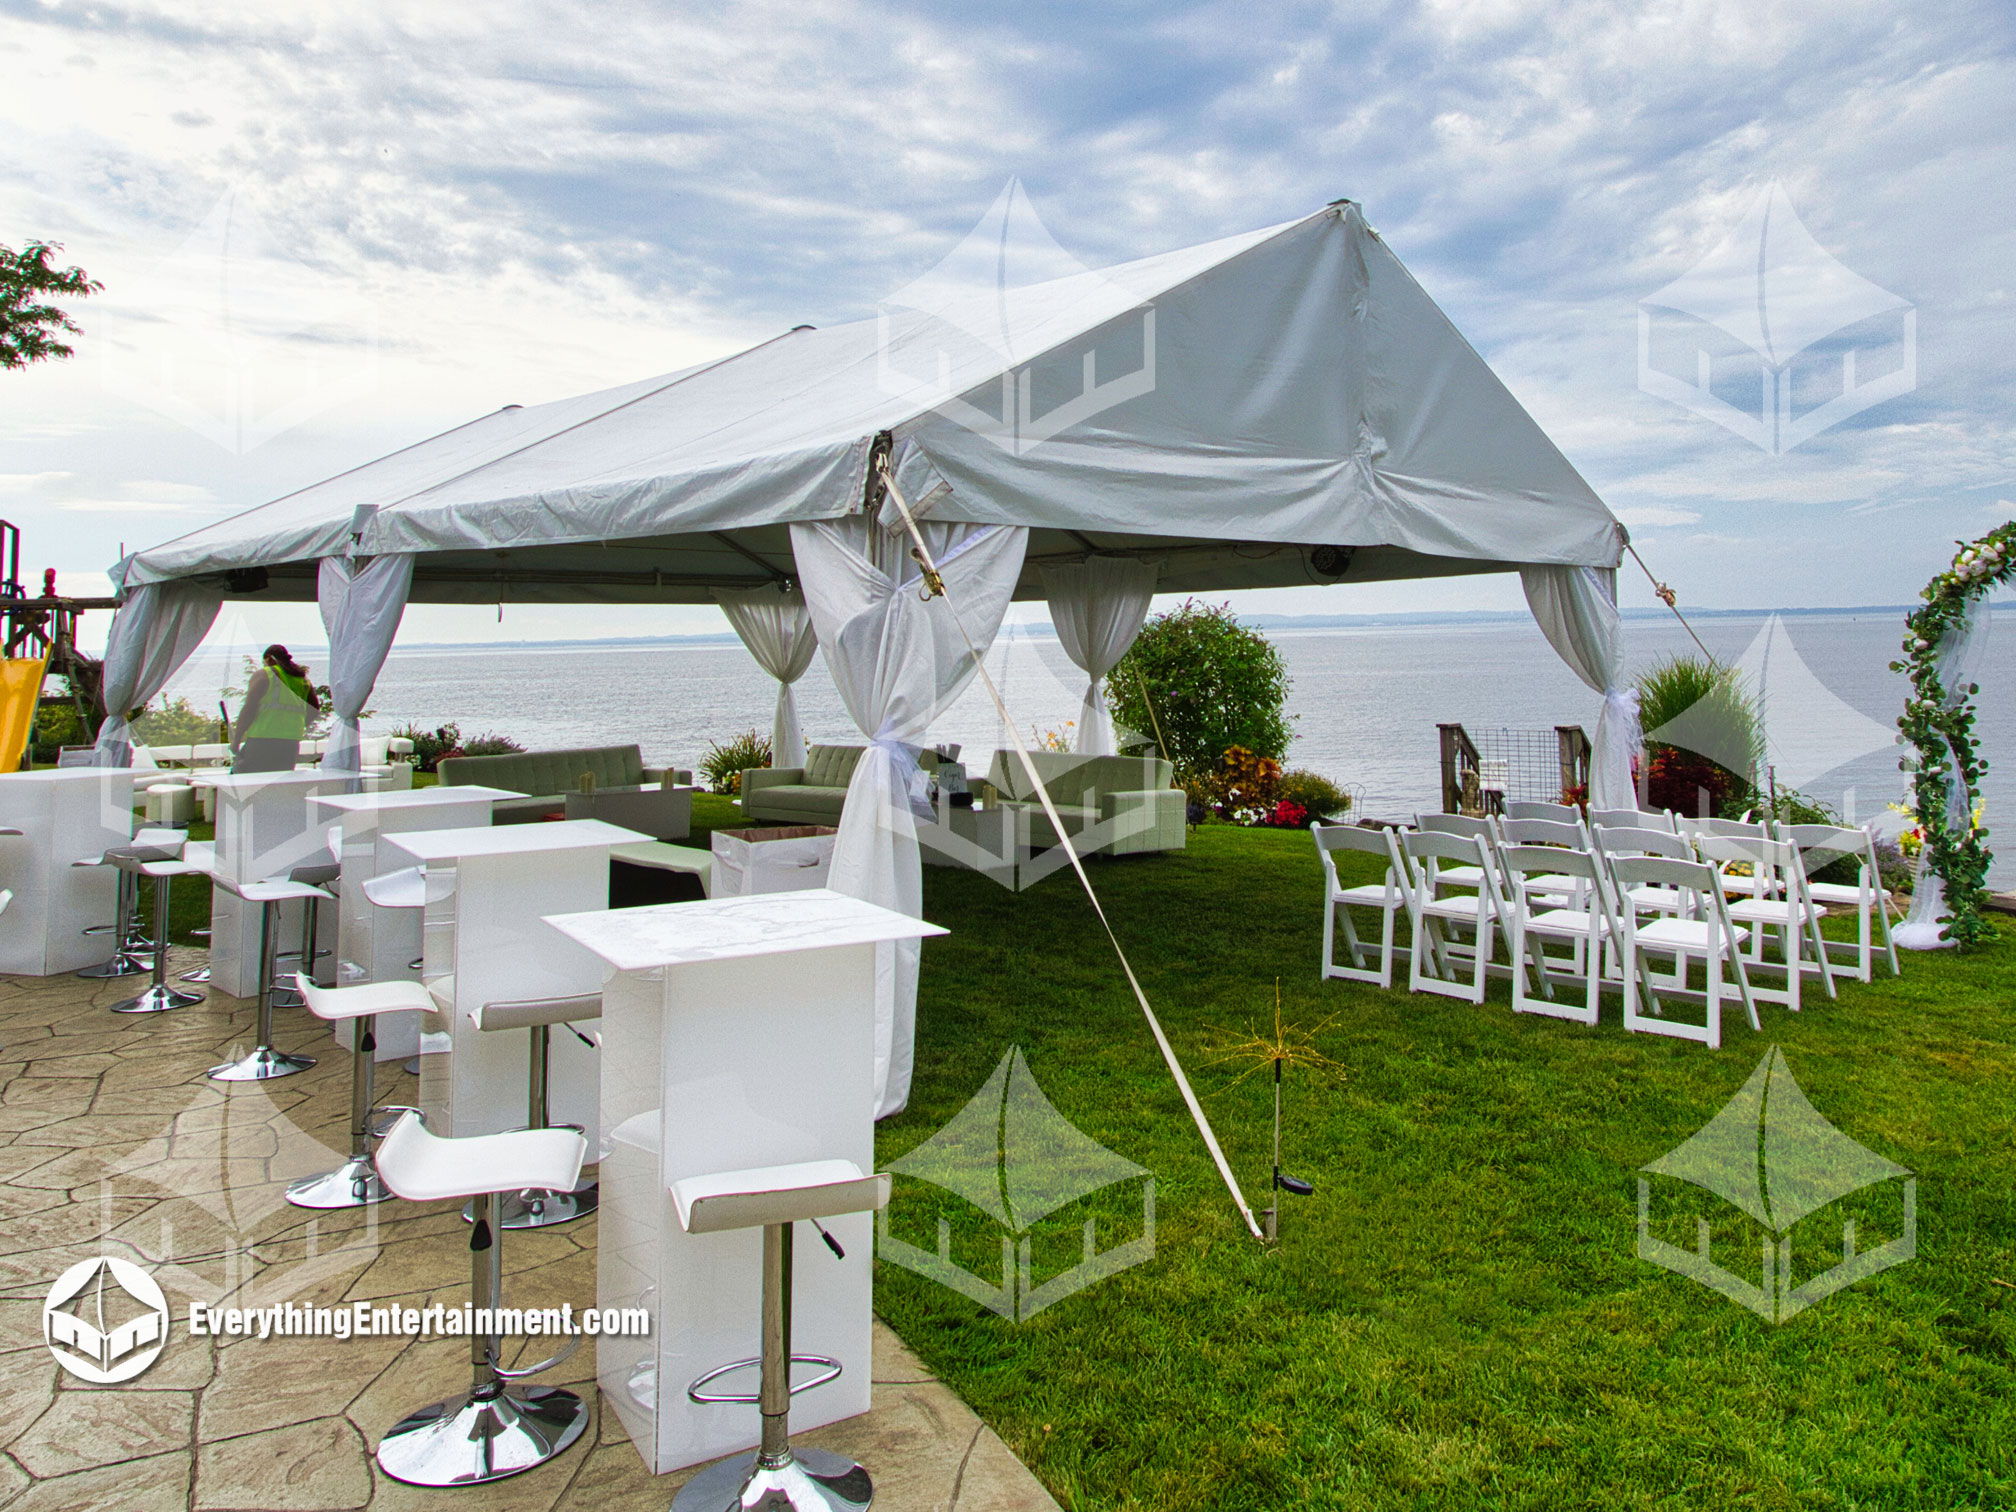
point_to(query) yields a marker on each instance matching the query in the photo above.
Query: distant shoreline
(1444, 619)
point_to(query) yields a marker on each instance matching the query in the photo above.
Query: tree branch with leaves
(31, 328)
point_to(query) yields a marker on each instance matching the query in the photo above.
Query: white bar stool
(405, 888)
(535, 1208)
(776, 1197)
(497, 1428)
(127, 942)
(263, 1062)
(355, 1183)
(159, 996)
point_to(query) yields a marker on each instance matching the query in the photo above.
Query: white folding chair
(1588, 927)
(1659, 819)
(1738, 877)
(1821, 845)
(1702, 932)
(1468, 828)
(1612, 843)
(1431, 855)
(1559, 813)
(1388, 897)
(1781, 906)
(1565, 834)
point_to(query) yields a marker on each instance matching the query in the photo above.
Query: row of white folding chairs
(1531, 910)
(1552, 878)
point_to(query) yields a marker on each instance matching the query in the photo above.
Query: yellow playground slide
(20, 688)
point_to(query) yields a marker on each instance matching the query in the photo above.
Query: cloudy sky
(432, 211)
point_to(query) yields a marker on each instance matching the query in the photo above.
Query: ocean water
(1365, 701)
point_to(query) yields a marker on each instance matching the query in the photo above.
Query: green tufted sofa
(546, 777)
(1122, 805)
(812, 794)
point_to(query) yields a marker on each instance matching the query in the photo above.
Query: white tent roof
(1225, 409)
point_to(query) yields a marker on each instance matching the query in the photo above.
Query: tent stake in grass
(1290, 1046)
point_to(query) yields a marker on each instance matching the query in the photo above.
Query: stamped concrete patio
(113, 1142)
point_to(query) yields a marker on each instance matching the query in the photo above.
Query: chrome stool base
(263, 1064)
(807, 1480)
(158, 999)
(200, 974)
(121, 965)
(535, 1209)
(482, 1437)
(355, 1183)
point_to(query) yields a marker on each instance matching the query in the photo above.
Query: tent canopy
(1224, 410)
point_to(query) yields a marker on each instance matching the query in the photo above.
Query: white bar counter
(376, 944)
(266, 826)
(736, 1032)
(482, 942)
(64, 816)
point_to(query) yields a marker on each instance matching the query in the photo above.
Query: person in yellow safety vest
(274, 717)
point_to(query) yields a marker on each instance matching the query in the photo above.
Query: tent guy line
(1197, 1116)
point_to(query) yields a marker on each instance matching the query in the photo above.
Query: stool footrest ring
(709, 1398)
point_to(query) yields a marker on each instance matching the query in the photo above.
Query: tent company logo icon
(105, 1321)
(1771, 1154)
(1774, 715)
(1012, 1155)
(995, 338)
(1786, 341)
(236, 341)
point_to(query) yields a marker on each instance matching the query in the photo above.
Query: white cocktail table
(64, 816)
(736, 1032)
(376, 944)
(482, 942)
(265, 828)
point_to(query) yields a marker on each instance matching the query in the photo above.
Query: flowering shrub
(1939, 722)
(1288, 814)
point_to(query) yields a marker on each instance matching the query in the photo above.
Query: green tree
(1212, 684)
(30, 328)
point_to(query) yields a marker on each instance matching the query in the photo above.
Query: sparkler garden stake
(1289, 1046)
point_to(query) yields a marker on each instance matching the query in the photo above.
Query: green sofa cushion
(541, 773)
(831, 765)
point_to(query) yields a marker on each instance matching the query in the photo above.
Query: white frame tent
(1284, 407)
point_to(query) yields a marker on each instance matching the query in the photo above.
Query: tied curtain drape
(1577, 611)
(154, 632)
(1098, 607)
(898, 659)
(362, 602)
(775, 627)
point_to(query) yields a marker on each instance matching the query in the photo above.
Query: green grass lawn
(1458, 1317)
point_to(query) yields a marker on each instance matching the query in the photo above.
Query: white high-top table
(735, 1032)
(376, 944)
(482, 942)
(266, 826)
(63, 816)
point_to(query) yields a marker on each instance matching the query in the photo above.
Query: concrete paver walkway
(113, 1142)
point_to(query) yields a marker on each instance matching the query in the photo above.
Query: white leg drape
(775, 626)
(1577, 611)
(1098, 607)
(154, 632)
(898, 660)
(1960, 653)
(362, 602)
